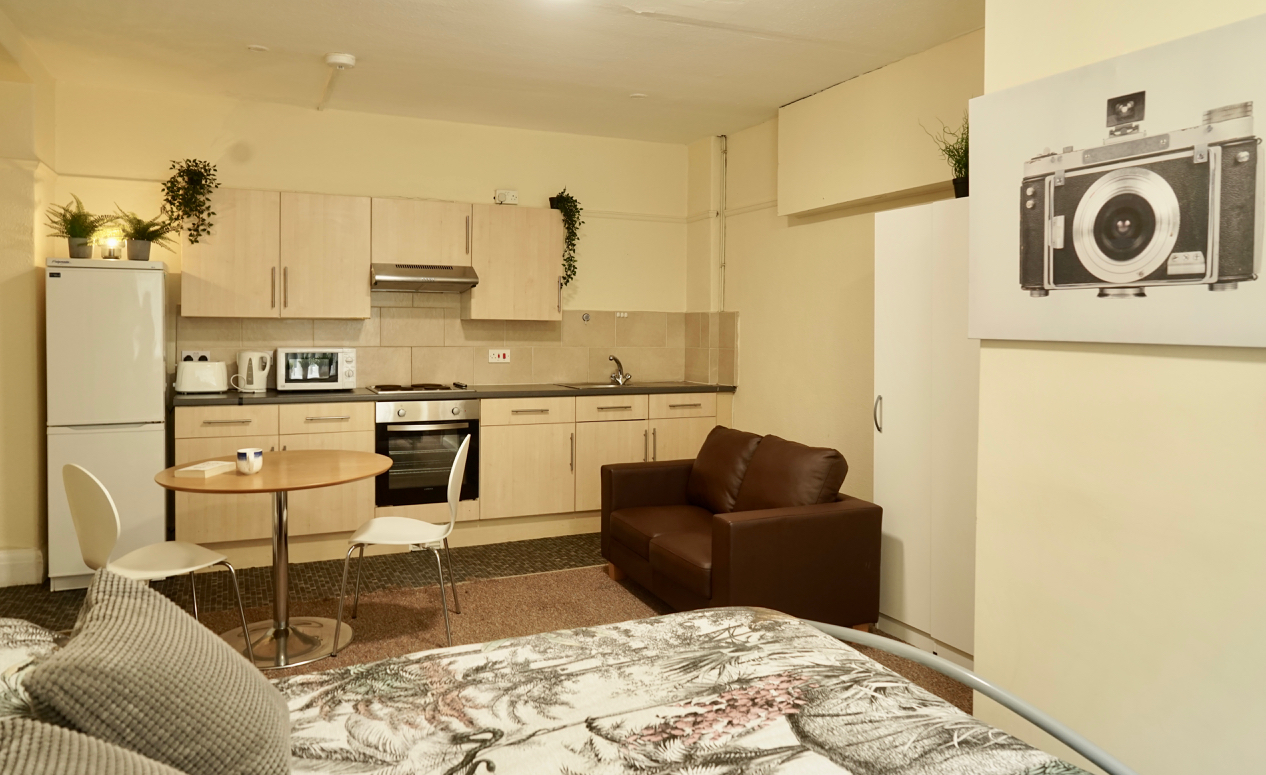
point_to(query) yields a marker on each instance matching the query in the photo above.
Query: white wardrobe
(926, 391)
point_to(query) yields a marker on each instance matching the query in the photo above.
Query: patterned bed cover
(724, 691)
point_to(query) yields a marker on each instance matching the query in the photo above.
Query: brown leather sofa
(751, 520)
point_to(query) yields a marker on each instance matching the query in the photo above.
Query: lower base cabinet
(679, 438)
(527, 469)
(203, 519)
(331, 509)
(606, 443)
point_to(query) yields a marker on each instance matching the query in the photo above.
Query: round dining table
(284, 642)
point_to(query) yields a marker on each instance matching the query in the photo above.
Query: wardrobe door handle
(877, 414)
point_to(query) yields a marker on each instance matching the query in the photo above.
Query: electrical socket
(498, 356)
(195, 355)
(506, 196)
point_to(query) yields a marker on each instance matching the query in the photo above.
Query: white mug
(250, 460)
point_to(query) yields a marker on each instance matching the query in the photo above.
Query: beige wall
(864, 140)
(703, 230)
(1120, 581)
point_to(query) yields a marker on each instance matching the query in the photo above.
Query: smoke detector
(338, 63)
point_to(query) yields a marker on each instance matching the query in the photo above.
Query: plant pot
(80, 247)
(960, 188)
(555, 203)
(138, 249)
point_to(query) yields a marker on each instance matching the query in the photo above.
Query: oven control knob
(457, 410)
(399, 413)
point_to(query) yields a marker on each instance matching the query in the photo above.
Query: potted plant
(187, 197)
(77, 225)
(952, 143)
(141, 234)
(571, 210)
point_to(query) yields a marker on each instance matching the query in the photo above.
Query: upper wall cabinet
(325, 256)
(419, 231)
(518, 255)
(232, 272)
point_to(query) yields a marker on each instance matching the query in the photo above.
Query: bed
(713, 692)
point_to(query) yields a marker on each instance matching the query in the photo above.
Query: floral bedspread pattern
(730, 691)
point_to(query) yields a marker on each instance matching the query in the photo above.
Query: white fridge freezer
(125, 459)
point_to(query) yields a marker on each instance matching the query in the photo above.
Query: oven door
(422, 455)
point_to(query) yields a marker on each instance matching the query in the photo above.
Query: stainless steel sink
(588, 385)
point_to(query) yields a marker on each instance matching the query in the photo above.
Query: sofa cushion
(783, 473)
(29, 747)
(142, 674)
(636, 527)
(685, 557)
(719, 468)
(22, 645)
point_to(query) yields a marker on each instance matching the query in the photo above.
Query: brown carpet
(401, 621)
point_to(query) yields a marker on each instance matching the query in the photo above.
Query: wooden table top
(294, 470)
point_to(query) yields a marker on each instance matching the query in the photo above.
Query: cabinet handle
(654, 445)
(646, 446)
(283, 447)
(468, 235)
(331, 417)
(227, 422)
(573, 452)
(273, 286)
(272, 449)
(529, 411)
(877, 414)
(285, 286)
(612, 408)
(560, 294)
(684, 406)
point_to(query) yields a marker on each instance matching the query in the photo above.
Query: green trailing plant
(952, 143)
(71, 220)
(156, 230)
(187, 197)
(571, 209)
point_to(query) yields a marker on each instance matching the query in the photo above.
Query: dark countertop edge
(361, 394)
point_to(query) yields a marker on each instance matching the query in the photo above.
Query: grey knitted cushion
(29, 747)
(141, 673)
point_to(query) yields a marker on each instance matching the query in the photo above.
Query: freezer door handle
(111, 425)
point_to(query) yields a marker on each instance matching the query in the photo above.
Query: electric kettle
(252, 371)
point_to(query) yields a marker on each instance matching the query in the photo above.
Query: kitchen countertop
(233, 398)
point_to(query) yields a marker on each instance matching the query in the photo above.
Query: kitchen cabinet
(606, 443)
(193, 422)
(325, 256)
(341, 508)
(527, 469)
(518, 254)
(527, 411)
(683, 405)
(605, 408)
(232, 271)
(679, 438)
(421, 231)
(208, 519)
(339, 417)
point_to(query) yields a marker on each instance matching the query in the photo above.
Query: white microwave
(310, 368)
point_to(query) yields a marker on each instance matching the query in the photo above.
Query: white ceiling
(708, 66)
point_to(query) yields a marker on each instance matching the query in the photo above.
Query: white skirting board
(921, 640)
(21, 566)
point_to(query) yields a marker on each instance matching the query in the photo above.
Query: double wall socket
(195, 355)
(506, 196)
(498, 356)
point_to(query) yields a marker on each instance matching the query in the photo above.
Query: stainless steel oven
(422, 439)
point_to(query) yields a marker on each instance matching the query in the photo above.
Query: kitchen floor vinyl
(310, 581)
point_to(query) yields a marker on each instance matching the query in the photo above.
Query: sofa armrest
(629, 485)
(817, 562)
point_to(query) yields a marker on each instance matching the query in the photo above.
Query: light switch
(498, 356)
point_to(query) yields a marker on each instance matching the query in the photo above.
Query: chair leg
(360, 561)
(443, 599)
(452, 579)
(241, 610)
(193, 592)
(342, 594)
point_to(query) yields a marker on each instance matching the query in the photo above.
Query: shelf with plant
(187, 197)
(141, 233)
(571, 210)
(73, 221)
(952, 143)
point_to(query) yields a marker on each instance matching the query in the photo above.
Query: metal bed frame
(1056, 729)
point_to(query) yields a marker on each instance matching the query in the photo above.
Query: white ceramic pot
(138, 249)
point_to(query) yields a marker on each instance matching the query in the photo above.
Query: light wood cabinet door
(337, 509)
(518, 255)
(421, 231)
(203, 519)
(233, 271)
(197, 422)
(336, 417)
(604, 443)
(683, 405)
(527, 411)
(325, 256)
(679, 439)
(606, 408)
(526, 469)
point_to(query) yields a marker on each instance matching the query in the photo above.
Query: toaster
(202, 377)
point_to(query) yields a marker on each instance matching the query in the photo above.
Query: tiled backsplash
(422, 338)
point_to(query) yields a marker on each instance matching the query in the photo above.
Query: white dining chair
(97, 527)
(406, 531)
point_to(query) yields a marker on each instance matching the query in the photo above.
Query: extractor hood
(422, 278)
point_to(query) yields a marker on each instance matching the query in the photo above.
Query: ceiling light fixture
(338, 63)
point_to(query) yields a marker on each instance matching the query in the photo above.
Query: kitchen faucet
(619, 376)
